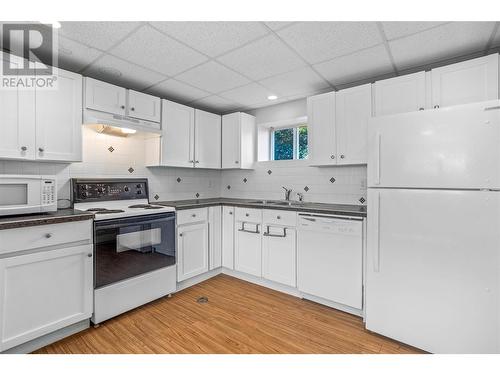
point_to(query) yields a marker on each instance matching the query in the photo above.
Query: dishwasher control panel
(332, 224)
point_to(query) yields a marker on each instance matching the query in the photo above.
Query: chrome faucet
(287, 193)
(301, 197)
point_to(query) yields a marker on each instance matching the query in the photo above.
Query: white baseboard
(197, 279)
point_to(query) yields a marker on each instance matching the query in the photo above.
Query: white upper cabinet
(105, 97)
(353, 110)
(469, 81)
(400, 94)
(177, 141)
(321, 127)
(144, 106)
(238, 141)
(59, 119)
(207, 137)
(17, 122)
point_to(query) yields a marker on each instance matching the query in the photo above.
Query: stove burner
(139, 206)
(97, 209)
(104, 211)
(152, 207)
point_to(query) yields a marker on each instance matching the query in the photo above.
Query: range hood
(128, 125)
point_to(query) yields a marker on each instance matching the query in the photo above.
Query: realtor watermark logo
(30, 58)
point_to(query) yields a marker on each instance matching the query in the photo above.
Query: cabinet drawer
(19, 239)
(250, 215)
(280, 217)
(192, 216)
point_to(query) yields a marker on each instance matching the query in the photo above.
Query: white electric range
(134, 244)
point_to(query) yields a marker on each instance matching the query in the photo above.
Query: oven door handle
(125, 223)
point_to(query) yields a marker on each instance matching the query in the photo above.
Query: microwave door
(19, 196)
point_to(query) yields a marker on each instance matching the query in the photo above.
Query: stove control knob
(139, 191)
(84, 195)
(138, 186)
(126, 188)
(100, 190)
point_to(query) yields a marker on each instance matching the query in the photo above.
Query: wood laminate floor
(239, 317)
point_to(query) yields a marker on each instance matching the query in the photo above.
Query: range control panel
(107, 190)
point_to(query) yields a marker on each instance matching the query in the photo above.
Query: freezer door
(433, 269)
(455, 147)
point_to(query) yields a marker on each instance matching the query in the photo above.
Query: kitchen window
(289, 143)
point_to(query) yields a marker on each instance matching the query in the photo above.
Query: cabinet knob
(132, 109)
(236, 162)
(48, 235)
(180, 234)
(193, 215)
(278, 217)
(332, 156)
(436, 106)
(342, 156)
(41, 149)
(247, 215)
(421, 109)
(196, 161)
(122, 107)
(89, 255)
(24, 148)
(230, 212)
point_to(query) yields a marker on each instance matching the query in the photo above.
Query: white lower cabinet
(43, 292)
(214, 237)
(192, 250)
(228, 237)
(248, 248)
(279, 255)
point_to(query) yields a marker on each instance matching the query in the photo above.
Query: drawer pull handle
(242, 229)
(48, 235)
(268, 234)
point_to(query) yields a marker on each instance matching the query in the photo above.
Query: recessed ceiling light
(55, 24)
(272, 97)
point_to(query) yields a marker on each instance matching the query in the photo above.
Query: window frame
(295, 152)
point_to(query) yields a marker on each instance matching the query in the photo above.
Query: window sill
(282, 163)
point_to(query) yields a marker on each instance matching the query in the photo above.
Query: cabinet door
(59, 119)
(231, 142)
(470, 81)
(17, 119)
(228, 237)
(144, 106)
(353, 111)
(192, 250)
(207, 140)
(215, 233)
(177, 135)
(43, 292)
(321, 127)
(279, 255)
(248, 249)
(400, 94)
(105, 97)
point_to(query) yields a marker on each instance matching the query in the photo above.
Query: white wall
(127, 153)
(348, 186)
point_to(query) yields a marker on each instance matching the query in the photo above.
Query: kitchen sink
(278, 203)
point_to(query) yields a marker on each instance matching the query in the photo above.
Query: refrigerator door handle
(376, 239)
(378, 140)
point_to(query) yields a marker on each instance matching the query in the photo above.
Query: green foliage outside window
(290, 143)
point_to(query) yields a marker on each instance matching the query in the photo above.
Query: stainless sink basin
(278, 203)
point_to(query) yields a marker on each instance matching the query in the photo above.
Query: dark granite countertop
(59, 216)
(312, 207)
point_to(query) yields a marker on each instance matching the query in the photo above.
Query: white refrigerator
(433, 246)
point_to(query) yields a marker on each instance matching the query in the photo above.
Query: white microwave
(26, 194)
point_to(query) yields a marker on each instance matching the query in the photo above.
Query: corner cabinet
(42, 124)
(338, 125)
(207, 140)
(238, 141)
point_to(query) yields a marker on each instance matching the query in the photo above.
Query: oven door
(132, 246)
(20, 195)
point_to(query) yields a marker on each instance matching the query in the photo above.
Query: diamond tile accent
(179, 179)
(245, 180)
(332, 180)
(228, 187)
(130, 170)
(362, 200)
(306, 188)
(269, 171)
(111, 149)
(156, 197)
(197, 195)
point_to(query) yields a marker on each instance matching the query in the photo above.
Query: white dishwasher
(330, 258)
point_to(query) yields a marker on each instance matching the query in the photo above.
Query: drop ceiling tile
(212, 77)
(102, 35)
(154, 50)
(277, 25)
(216, 104)
(451, 40)
(360, 65)
(248, 95)
(213, 38)
(320, 41)
(263, 58)
(299, 81)
(120, 72)
(173, 89)
(398, 29)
